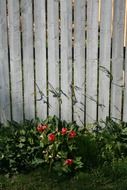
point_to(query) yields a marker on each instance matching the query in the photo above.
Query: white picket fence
(63, 58)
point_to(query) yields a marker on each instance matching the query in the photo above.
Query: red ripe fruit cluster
(51, 137)
(41, 127)
(72, 134)
(69, 162)
(64, 131)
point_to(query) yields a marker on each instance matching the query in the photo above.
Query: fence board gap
(21, 41)
(73, 52)
(46, 34)
(33, 29)
(59, 60)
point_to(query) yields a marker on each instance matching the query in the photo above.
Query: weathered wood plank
(91, 67)
(15, 60)
(117, 58)
(79, 61)
(66, 59)
(53, 57)
(4, 70)
(125, 83)
(40, 57)
(104, 61)
(28, 66)
(125, 90)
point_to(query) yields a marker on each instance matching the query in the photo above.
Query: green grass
(40, 179)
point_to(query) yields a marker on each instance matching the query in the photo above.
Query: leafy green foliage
(111, 140)
(19, 147)
(64, 147)
(88, 150)
(58, 140)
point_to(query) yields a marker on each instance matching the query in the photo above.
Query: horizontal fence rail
(63, 57)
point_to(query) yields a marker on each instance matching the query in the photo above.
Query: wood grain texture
(40, 57)
(125, 91)
(53, 57)
(91, 67)
(79, 61)
(28, 62)
(125, 84)
(4, 70)
(15, 60)
(104, 61)
(66, 59)
(30, 36)
(117, 58)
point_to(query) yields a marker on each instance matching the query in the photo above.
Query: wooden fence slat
(40, 57)
(28, 67)
(79, 60)
(125, 91)
(28, 29)
(125, 83)
(53, 56)
(15, 60)
(4, 70)
(66, 59)
(91, 67)
(117, 58)
(104, 62)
